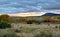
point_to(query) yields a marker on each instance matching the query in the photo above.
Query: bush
(4, 25)
(29, 22)
(18, 31)
(56, 26)
(38, 21)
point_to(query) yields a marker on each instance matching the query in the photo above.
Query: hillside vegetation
(44, 26)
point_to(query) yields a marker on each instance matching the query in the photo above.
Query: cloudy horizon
(16, 6)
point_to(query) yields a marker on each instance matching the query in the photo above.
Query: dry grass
(33, 29)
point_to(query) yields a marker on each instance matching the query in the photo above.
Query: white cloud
(28, 14)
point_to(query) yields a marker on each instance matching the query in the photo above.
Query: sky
(18, 6)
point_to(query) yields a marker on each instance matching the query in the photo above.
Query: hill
(51, 14)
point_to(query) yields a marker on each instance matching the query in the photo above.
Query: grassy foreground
(31, 30)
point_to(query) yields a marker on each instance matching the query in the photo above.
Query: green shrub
(56, 26)
(29, 22)
(4, 25)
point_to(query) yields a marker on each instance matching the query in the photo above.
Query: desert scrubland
(38, 30)
(44, 26)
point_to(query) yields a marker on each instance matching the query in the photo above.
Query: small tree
(6, 18)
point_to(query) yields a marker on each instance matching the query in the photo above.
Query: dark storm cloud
(12, 6)
(55, 7)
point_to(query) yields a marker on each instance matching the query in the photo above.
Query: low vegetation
(7, 33)
(29, 27)
(44, 34)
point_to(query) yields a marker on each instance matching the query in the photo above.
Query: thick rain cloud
(13, 6)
